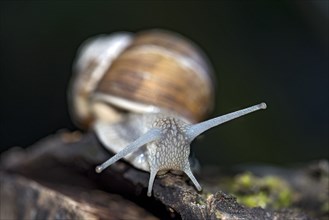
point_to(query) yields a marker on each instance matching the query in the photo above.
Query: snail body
(145, 96)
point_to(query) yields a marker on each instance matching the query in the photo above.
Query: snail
(145, 96)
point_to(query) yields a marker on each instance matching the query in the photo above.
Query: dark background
(272, 51)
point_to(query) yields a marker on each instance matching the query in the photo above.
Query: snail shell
(151, 71)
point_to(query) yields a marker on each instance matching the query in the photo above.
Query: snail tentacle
(148, 137)
(189, 173)
(195, 130)
(153, 173)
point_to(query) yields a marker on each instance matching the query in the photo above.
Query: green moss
(265, 192)
(245, 180)
(200, 202)
(254, 200)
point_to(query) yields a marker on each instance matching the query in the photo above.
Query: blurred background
(269, 51)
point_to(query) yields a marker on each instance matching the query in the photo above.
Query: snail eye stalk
(195, 130)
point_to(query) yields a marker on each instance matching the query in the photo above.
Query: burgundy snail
(145, 94)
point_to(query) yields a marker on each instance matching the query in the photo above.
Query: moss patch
(265, 192)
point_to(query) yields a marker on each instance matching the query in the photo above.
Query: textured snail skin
(169, 151)
(117, 136)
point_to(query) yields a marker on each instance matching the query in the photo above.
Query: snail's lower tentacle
(153, 173)
(189, 173)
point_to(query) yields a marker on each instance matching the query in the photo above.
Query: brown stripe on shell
(171, 41)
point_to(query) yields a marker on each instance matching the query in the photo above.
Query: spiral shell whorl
(95, 56)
